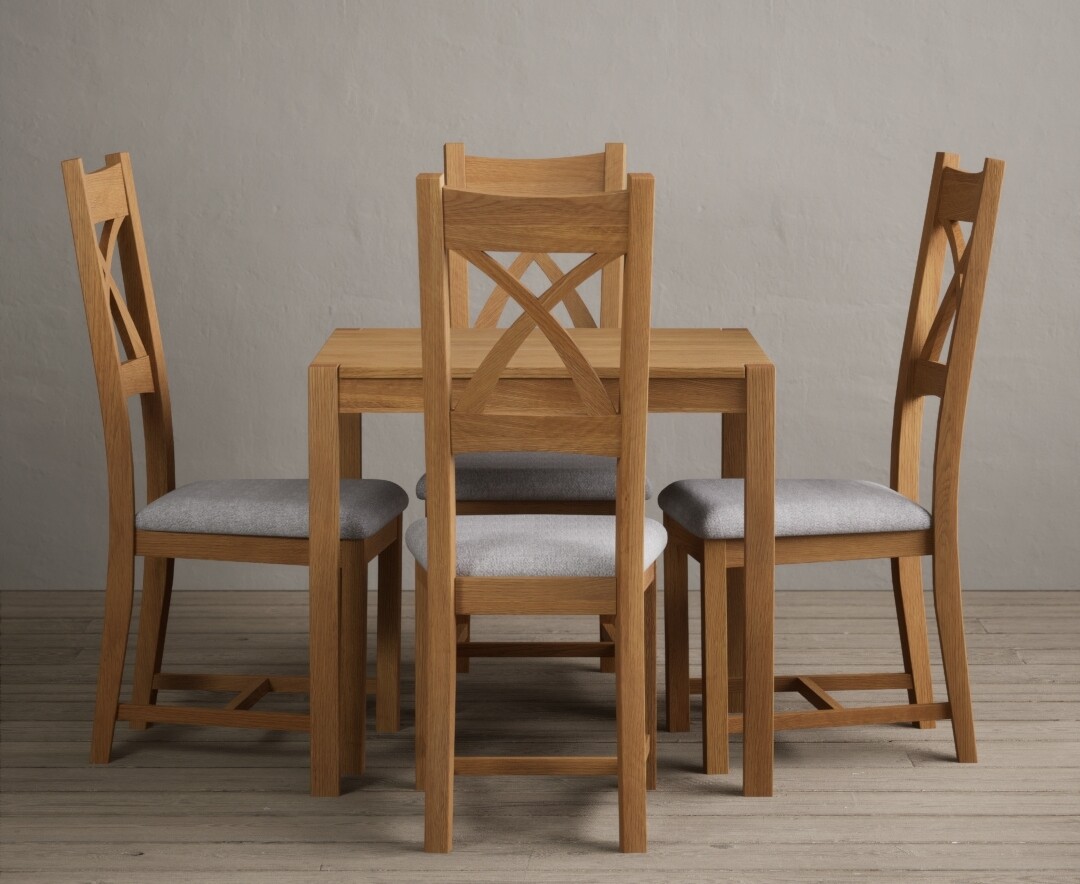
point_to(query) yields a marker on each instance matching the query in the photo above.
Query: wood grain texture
(534, 766)
(954, 197)
(474, 223)
(353, 658)
(454, 169)
(667, 395)
(676, 632)
(536, 313)
(611, 283)
(247, 697)
(914, 638)
(683, 354)
(591, 173)
(218, 805)
(714, 661)
(550, 507)
(759, 569)
(440, 636)
(388, 646)
(324, 570)
(281, 721)
(222, 547)
(630, 514)
(128, 315)
(492, 222)
(846, 717)
(534, 595)
(523, 432)
(153, 621)
(560, 176)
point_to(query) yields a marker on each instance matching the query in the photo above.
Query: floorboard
(863, 803)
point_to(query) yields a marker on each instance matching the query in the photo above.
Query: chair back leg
(950, 618)
(630, 714)
(354, 586)
(650, 681)
(119, 598)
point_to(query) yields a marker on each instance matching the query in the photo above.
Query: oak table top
(676, 353)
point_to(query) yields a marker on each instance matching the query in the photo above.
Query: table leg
(324, 575)
(350, 446)
(733, 466)
(760, 547)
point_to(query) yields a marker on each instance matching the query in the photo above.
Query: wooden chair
(500, 483)
(237, 521)
(835, 520)
(526, 563)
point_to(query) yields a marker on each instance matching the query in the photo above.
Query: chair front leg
(153, 621)
(736, 633)
(676, 635)
(354, 584)
(650, 680)
(714, 663)
(420, 678)
(911, 618)
(388, 646)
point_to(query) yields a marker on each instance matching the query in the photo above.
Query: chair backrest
(596, 417)
(956, 198)
(125, 340)
(559, 176)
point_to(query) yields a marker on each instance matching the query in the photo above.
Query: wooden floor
(882, 804)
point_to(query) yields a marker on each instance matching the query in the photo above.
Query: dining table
(691, 370)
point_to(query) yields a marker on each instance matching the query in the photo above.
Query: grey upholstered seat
(533, 475)
(712, 509)
(536, 545)
(269, 508)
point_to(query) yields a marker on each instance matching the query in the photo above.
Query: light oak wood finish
(218, 805)
(562, 176)
(712, 360)
(690, 370)
(605, 225)
(954, 197)
(128, 317)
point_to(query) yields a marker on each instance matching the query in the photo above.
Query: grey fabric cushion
(269, 508)
(535, 545)
(533, 475)
(713, 508)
